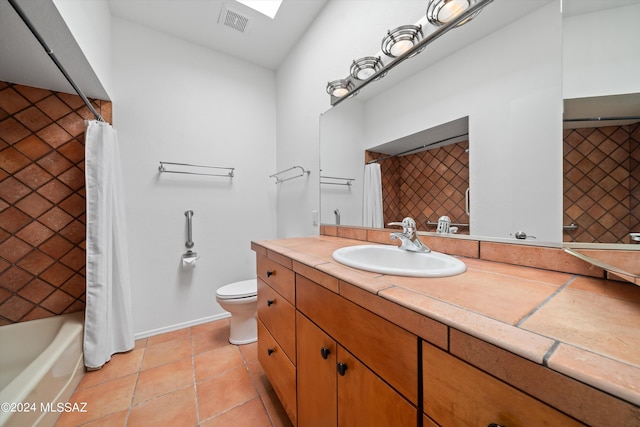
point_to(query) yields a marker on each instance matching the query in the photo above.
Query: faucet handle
(408, 225)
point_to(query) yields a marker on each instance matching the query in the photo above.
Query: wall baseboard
(171, 328)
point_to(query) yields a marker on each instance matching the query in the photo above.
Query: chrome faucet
(408, 236)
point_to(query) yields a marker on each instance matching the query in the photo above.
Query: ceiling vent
(234, 19)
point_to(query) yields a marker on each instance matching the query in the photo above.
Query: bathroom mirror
(601, 138)
(504, 84)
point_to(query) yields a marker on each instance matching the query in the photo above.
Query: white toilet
(241, 300)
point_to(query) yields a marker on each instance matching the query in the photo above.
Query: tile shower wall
(42, 202)
(602, 183)
(426, 185)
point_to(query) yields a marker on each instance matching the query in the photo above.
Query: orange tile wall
(602, 183)
(42, 202)
(426, 185)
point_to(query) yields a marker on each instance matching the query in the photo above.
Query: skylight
(266, 7)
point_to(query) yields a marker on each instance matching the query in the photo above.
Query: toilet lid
(243, 289)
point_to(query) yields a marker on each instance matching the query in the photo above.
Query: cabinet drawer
(456, 393)
(279, 370)
(385, 348)
(279, 317)
(279, 277)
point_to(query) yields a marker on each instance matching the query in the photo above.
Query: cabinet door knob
(270, 273)
(342, 368)
(269, 302)
(325, 352)
(270, 351)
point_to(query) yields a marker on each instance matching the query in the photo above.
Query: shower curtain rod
(417, 148)
(52, 55)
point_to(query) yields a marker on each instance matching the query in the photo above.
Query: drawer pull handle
(270, 273)
(494, 425)
(342, 368)
(325, 352)
(270, 351)
(269, 302)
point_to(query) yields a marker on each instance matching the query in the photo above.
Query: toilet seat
(236, 290)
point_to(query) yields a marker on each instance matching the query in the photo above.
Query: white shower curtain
(108, 320)
(372, 199)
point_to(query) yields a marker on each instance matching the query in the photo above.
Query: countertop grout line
(549, 353)
(545, 301)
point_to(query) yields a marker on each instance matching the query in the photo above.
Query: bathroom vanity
(493, 345)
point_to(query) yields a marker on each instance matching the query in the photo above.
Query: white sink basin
(387, 259)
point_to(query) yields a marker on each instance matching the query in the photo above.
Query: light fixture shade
(440, 12)
(401, 39)
(365, 67)
(340, 87)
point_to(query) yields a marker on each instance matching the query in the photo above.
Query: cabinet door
(458, 394)
(316, 375)
(387, 349)
(365, 400)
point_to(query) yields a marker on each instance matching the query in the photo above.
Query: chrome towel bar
(162, 168)
(279, 180)
(347, 181)
(435, 224)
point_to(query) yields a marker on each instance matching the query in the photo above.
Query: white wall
(178, 102)
(600, 53)
(90, 23)
(509, 84)
(342, 32)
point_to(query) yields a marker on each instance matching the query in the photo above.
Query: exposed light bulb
(340, 92)
(400, 47)
(451, 9)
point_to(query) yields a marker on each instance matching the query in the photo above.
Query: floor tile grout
(203, 346)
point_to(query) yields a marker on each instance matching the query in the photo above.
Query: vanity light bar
(412, 51)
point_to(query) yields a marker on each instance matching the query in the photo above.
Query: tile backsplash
(602, 183)
(426, 185)
(42, 202)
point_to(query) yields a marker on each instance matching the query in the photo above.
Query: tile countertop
(585, 328)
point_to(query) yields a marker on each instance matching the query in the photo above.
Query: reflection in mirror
(426, 176)
(618, 262)
(601, 145)
(342, 155)
(602, 169)
(503, 77)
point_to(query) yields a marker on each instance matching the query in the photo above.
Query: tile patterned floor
(189, 377)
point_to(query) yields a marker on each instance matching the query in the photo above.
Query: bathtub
(41, 364)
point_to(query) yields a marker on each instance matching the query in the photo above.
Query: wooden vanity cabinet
(277, 272)
(279, 369)
(279, 316)
(335, 388)
(317, 377)
(354, 368)
(458, 394)
(277, 326)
